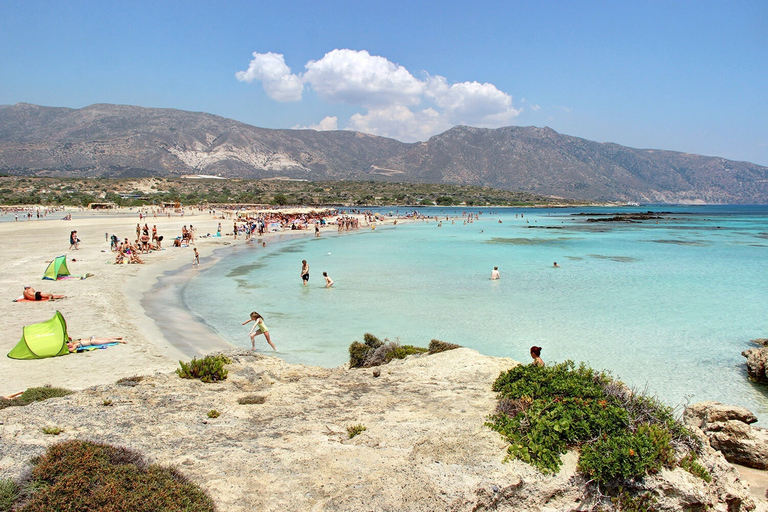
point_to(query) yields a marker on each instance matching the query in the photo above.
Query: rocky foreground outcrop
(281, 440)
(728, 429)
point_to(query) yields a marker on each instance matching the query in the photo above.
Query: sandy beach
(108, 303)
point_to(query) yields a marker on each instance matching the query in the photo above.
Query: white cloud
(327, 123)
(358, 78)
(271, 70)
(472, 103)
(396, 103)
(399, 122)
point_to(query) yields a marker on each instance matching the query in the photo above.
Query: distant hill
(126, 141)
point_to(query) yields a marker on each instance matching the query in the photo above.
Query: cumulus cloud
(328, 123)
(471, 103)
(359, 78)
(271, 70)
(396, 103)
(399, 122)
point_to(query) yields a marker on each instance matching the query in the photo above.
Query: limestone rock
(740, 443)
(702, 413)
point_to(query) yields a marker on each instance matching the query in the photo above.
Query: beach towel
(95, 347)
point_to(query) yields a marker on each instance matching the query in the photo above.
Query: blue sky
(688, 76)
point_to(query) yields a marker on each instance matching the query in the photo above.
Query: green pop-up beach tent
(45, 339)
(57, 269)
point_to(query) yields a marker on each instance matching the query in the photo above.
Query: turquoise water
(666, 307)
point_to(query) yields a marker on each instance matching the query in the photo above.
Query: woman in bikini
(258, 328)
(73, 345)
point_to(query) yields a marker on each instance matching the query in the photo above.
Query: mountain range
(114, 141)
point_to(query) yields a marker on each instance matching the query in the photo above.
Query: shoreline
(110, 303)
(194, 336)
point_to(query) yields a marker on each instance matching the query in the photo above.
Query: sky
(688, 76)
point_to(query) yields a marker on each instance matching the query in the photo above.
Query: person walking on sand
(304, 272)
(258, 328)
(495, 273)
(328, 280)
(196, 259)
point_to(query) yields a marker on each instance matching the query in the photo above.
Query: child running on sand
(260, 328)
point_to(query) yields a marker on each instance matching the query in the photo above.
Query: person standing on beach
(304, 272)
(196, 260)
(495, 273)
(259, 328)
(328, 280)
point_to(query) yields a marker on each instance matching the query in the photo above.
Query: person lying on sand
(31, 294)
(73, 345)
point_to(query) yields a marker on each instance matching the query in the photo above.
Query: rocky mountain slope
(126, 141)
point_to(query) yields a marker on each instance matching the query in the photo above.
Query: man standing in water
(495, 273)
(304, 272)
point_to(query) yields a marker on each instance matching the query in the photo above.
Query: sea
(665, 305)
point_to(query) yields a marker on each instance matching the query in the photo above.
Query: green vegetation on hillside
(544, 411)
(16, 190)
(82, 475)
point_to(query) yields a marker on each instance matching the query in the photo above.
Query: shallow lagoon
(666, 307)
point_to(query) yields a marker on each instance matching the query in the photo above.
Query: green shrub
(357, 354)
(81, 475)
(375, 352)
(208, 369)
(691, 465)
(32, 395)
(372, 341)
(436, 346)
(9, 493)
(52, 431)
(403, 351)
(627, 455)
(543, 411)
(354, 430)
(213, 413)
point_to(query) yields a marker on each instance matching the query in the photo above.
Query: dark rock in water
(628, 217)
(760, 341)
(757, 358)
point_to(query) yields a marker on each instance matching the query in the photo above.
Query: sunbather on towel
(73, 345)
(31, 294)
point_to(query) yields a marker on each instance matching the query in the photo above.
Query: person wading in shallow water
(304, 271)
(259, 328)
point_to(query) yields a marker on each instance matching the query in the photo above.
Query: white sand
(107, 304)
